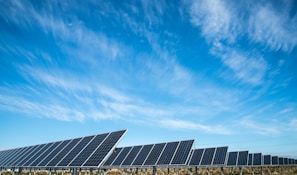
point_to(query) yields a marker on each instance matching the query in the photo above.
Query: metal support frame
(74, 171)
(222, 171)
(196, 171)
(240, 169)
(154, 170)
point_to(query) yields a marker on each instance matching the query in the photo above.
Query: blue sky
(220, 72)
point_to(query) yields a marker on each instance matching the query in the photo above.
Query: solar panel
(40, 151)
(220, 156)
(267, 159)
(7, 156)
(23, 156)
(232, 158)
(13, 154)
(142, 155)
(168, 153)
(131, 156)
(63, 152)
(242, 158)
(196, 157)
(89, 149)
(113, 156)
(274, 160)
(250, 160)
(121, 156)
(285, 161)
(154, 154)
(281, 161)
(41, 157)
(104, 150)
(182, 152)
(207, 156)
(54, 152)
(31, 153)
(257, 159)
(15, 158)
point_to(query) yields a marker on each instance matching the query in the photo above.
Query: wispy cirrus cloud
(222, 24)
(184, 124)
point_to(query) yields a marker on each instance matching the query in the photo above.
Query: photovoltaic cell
(23, 156)
(29, 155)
(232, 158)
(21, 152)
(142, 155)
(182, 152)
(121, 156)
(131, 156)
(14, 154)
(154, 154)
(168, 153)
(274, 160)
(38, 152)
(75, 151)
(113, 156)
(41, 157)
(207, 156)
(53, 153)
(267, 159)
(64, 152)
(281, 161)
(250, 161)
(82, 157)
(105, 149)
(257, 159)
(285, 161)
(220, 156)
(8, 156)
(242, 158)
(196, 157)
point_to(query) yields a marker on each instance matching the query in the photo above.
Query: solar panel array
(100, 151)
(208, 157)
(88, 151)
(161, 154)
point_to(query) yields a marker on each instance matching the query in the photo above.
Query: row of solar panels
(88, 151)
(220, 157)
(171, 153)
(100, 151)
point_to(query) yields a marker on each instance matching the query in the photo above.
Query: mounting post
(91, 171)
(196, 171)
(154, 170)
(222, 171)
(74, 171)
(240, 168)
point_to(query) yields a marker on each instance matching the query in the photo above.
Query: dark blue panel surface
(281, 161)
(44, 154)
(182, 152)
(267, 160)
(75, 151)
(105, 149)
(154, 154)
(86, 153)
(250, 161)
(207, 156)
(53, 153)
(113, 156)
(285, 161)
(29, 155)
(64, 152)
(196, 157)
(257, 159)
(168, 153)
(242, 158)
(12, 156)
(142, 155)
(35, 156)
(232, 158)
(121, 157)
(220, 156)
(15, 157)
(274, 160)
(131, 156)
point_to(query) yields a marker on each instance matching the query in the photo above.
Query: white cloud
(263, 128)
(183, 124)
(273, 27)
